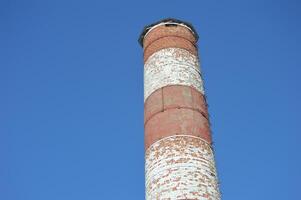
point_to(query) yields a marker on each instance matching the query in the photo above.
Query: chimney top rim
(166, 21)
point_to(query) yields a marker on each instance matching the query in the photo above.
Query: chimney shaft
(178, 151)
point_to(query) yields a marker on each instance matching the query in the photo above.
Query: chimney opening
(168, 25)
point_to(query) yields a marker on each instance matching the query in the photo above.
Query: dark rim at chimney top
(167, 22)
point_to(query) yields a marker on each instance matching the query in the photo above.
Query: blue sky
(71, 106)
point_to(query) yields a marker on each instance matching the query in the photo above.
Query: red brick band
(176, 122)
(169, 42)
(174, 96)
(163, 31)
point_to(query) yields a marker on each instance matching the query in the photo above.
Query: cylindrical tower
(179, 160)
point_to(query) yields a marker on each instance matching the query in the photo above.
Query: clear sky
(71, 106)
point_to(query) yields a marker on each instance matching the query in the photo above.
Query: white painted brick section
(171, 66)
(181, 167)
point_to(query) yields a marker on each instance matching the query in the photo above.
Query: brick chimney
(179, 160)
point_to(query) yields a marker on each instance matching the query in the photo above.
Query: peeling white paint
(171, 66)
(181, 167)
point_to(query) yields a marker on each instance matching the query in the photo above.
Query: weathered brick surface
(179, 158)
(175, 122)
(181, 167)
(174, 96)
(153, 104)
(167, 31)
(169, 42)
(172, 66)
